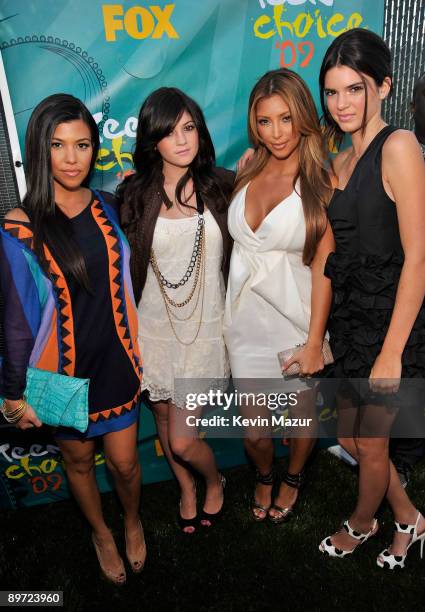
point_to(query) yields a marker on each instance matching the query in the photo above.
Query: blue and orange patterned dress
(55, 324)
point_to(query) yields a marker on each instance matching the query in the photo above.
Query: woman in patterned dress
(69, 308)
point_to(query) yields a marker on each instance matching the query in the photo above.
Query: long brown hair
(313, 171)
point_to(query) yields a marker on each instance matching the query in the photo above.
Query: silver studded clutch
(294, 369)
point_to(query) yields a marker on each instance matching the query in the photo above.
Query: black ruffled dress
(365, 270)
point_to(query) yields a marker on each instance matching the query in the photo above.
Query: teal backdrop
(112, 55)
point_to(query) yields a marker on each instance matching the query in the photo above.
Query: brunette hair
(49, 224)
(158, 116)
(364, 52)
(313, 172)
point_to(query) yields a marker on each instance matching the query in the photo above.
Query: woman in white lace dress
(174, 213)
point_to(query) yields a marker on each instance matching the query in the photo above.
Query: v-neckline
(254, 232)
(361, 159)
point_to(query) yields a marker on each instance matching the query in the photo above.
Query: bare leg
(372, 454)
(404, 512)
(122, 461)
(79, 461)
(299, 448)
(403, 509)
(261, 453)
(349, 445)
(182, 474)
(347, 424)
(188, 447)
(260, 450)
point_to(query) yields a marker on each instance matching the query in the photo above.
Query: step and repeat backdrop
(112, 55)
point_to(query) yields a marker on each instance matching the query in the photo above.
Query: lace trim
(162, 394)
(157, 394)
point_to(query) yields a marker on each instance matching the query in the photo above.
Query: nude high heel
(117, 578)
(137, 561)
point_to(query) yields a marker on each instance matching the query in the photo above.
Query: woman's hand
(245, 159)
(29, 418)
(310, 359)
(386, 372)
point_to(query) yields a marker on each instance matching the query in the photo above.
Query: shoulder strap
(381, 137)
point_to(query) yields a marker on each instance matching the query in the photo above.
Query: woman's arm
(403, 172)
(244, 160)
(310, 356)
(17, 284)
(321, 291)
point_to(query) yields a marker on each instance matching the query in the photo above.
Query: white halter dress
(268, 300)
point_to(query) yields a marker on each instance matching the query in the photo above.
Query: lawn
(237, 565)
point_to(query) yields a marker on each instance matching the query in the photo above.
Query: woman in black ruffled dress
(377, 322)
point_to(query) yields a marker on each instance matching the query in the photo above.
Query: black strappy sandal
(264, 479)
(292, 480)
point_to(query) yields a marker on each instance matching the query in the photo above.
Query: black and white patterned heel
(389, 561)
(327, 547)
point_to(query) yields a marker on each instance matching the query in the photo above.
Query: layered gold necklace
(197, 265)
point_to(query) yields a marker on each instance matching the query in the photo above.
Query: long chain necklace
(197, 263)
(195, 256)
(201, 292)
(159, 276)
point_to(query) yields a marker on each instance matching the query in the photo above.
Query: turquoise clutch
(57, 399)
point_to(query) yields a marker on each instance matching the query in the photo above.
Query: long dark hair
(158, 116)
(364, 52)
(50, 225)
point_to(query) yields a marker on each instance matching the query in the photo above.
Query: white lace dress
(165, 359)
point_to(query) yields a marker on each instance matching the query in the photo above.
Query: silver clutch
(294, 369)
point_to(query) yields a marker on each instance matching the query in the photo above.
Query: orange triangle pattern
(66, 320)
(63, 298)
(21, 232)
(116, 283)
(105, 415)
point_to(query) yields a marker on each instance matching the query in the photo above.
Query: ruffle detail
(364, 292)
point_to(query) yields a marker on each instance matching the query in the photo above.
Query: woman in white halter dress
(269, 291)
(278, 296)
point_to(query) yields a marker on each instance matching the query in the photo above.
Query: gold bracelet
(15, 415)
(10, 413)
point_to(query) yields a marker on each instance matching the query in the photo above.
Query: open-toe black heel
(187, 525)
(207, 519)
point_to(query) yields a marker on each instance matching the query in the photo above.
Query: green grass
(237, 565)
